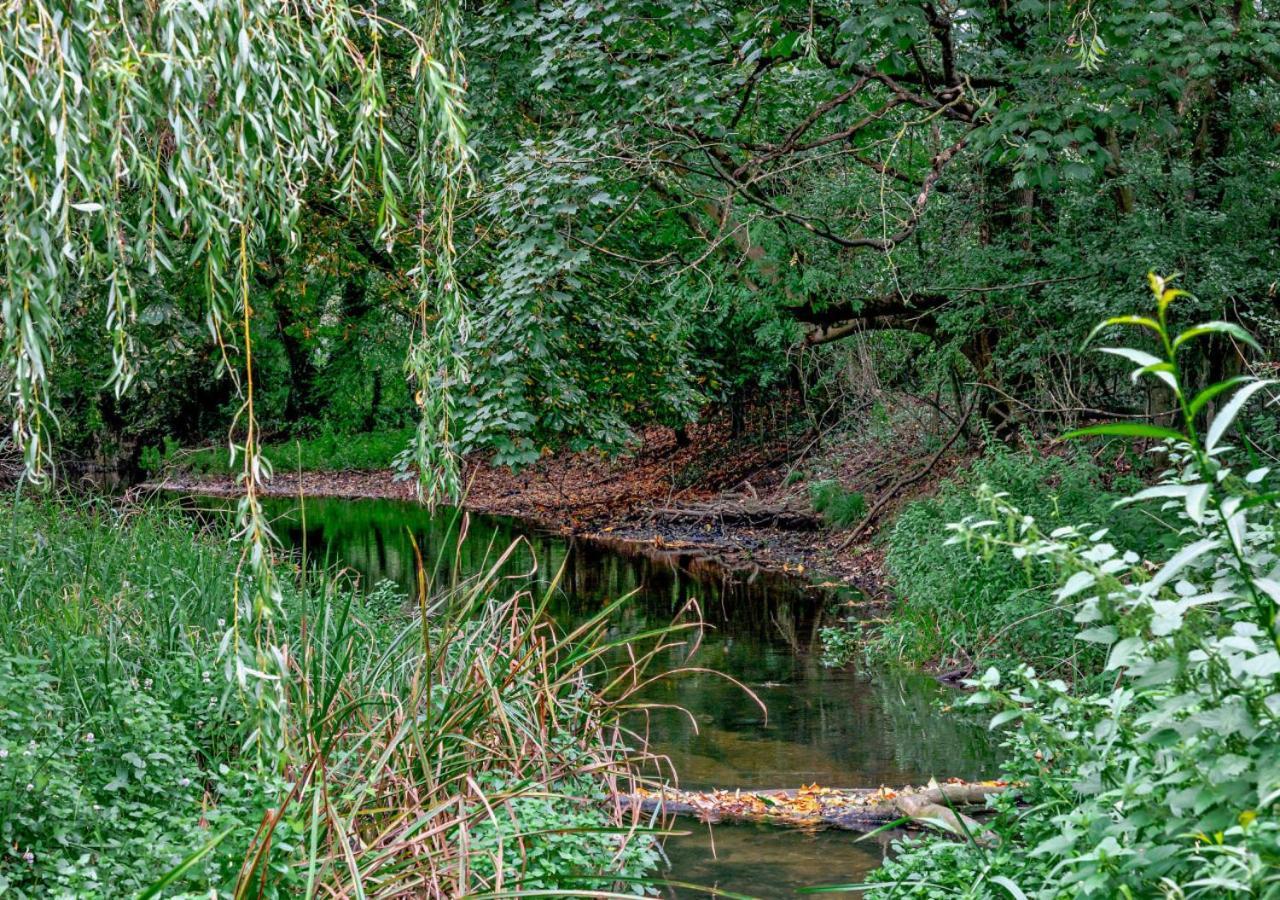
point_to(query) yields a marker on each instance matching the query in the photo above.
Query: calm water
(837, 728)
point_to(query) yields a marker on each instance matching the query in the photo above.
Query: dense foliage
(678, 203)
(961, 610)
(1163, 780)
(766, 178)
(419, 753)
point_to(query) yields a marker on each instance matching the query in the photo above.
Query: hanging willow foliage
(140, 138)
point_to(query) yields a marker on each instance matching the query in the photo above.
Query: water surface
(836, 728)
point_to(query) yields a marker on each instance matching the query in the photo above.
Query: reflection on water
(834, 728)
(768, 862)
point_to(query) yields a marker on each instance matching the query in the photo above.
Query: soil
(741, 501)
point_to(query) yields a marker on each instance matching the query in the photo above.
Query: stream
(839, 728)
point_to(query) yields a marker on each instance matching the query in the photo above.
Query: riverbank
(745, 502)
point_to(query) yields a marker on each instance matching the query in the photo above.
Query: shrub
(1165, 779)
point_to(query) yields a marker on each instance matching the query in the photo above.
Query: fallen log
(851, 809)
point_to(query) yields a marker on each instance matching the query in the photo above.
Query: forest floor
(742, 501)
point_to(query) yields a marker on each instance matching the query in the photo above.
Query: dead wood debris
(849, 809)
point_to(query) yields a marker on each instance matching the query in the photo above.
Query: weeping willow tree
(146, 137)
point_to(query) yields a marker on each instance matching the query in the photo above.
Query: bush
(415, 753)
(1165, 779)
(957, 607)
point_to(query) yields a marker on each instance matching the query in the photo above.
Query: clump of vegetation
(839, 508)
(419, 749)
(1164, 780)
(839, 644)
(955, 607)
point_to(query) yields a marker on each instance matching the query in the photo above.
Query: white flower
(28, 857)
(222, 623)
(30, 786)
(184, 782)
(4, 753)
(88, 737)
(146, 685)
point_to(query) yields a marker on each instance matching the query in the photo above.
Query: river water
(838, 728)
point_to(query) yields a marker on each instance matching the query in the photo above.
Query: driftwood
(855, 809)
(743, 512)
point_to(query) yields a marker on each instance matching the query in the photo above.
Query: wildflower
(30, 786)
(146, 685)
(222, 623)
(4, 752)
(28, 857)
(88, 737)
(184, 782)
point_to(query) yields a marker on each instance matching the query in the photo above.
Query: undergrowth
(326, 452)
(474, 749)
(838, 507)
(955, 608)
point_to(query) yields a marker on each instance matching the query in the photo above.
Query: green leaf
(1141, 321)
(1002, 717)
(1230, 328)
(183, 867)
(1007, 883)
(1122, 653)
(1180, 561)
(1141, 357)
(1103, 635)
(1212, 391)
(1222, 421)
(1126, 429)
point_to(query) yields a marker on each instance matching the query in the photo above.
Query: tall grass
(452, 743)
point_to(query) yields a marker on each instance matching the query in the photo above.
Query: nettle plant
(1166, 780)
